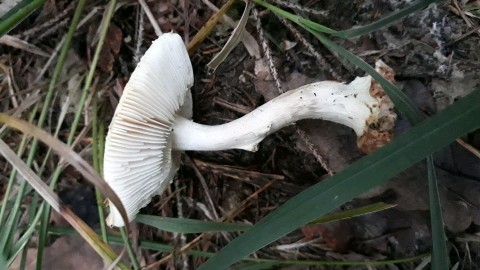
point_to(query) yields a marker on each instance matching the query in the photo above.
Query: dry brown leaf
(22, 45)
(113, 43)
(458, 195)
(67, 252)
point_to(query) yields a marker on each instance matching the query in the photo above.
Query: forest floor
(434, 53)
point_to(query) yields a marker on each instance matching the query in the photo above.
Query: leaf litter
(434, 61)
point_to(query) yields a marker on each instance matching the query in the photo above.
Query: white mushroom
(139, 160)
(151, 123)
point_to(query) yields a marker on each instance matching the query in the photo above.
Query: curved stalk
(349, 104)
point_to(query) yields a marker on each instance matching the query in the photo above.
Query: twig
(247, 39)
(469, 147)
(322, 63)
(231, 106)
(314, 151)
(151, 18)
(39, 31)
(300, 8)
(204, 186)
(181, 236)
(54, 29)
(8, 75)
(216, 216)
(139, 35)
(248, 200)
(60, 44)
(273, 70)
(266, 50)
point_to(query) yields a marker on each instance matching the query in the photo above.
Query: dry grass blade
(233, 40)
(151, 18)
(26, 104)
(207, 28)
(251, 177)
(469, 147)
(55, 202)
(30, 177)
(69, 155)
(248, 40)
(22, 45)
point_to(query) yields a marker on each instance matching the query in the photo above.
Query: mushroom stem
(348, 104)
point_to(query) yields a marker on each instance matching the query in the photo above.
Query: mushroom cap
(138, 160)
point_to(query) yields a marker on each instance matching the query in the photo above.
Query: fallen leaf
(336, 235)
(67, 252)
(111, 47)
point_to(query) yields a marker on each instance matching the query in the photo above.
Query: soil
(434, 53)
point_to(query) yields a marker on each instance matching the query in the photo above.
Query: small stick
(204, 186)
(322, 63)
(469, 147)
(181, 236)
(139, 36)
(266, 50)
(151, 18)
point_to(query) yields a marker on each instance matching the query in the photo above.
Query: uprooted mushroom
(151, 125)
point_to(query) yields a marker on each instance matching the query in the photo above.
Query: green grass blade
(440, 259)
(97, 137)
(185, 225)
(11, 183)
(366, 173)
(18, 14)
(360, 211)
(295, 18)
(253, 266)
(354, 32)
(7, 236)
(115, 239)
(54, 201)
(78, 114)
(385, 21)
(3, 263)
(407, 108)
(46, 104)
(22, 242)
(401, 101)
(131, 252)
(53, 81)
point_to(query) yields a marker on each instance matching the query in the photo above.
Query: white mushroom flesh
(347, 104)
(151, 120)
(138, 161)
